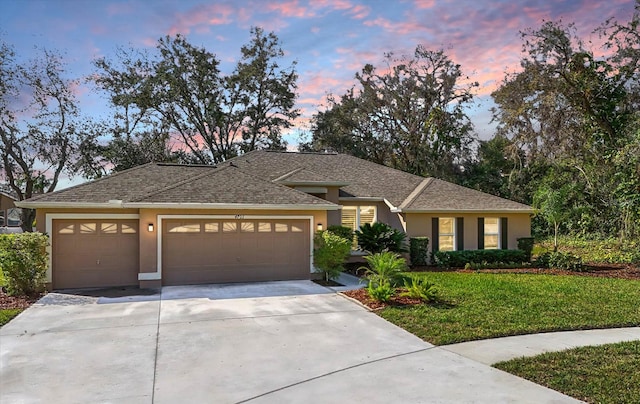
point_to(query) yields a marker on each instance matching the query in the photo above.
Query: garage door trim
(50, 217)
(158, 275)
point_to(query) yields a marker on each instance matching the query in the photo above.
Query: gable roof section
(442, 196)
(364, 178)
(167, 185)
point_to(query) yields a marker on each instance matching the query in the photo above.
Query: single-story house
(251, 218)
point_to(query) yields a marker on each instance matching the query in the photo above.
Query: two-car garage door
(230, 250)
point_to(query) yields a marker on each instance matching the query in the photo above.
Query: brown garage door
(95, 253)
(217, 251)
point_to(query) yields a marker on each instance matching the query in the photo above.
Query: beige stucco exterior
(519, 225)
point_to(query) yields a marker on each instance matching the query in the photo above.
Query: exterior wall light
(150, 228)
(319, 226)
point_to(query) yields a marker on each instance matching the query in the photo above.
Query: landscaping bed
(11, 306)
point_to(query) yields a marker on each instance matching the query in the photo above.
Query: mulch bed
(16, 302)
(362, 296)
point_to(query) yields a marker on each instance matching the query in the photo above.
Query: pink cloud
(201, 17)
(425, 3)
(289, 9)
(114, 9)
(359, 12)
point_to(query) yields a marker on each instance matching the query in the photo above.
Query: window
(211, 227)
(264, 227)
(247, 227)
(108, 228)
(179, 228)
(447, 233)
(229, 227)
(68, 229)
(355, 216)
(13, 217)
(491, 233)
(282, 228)
(88, 228)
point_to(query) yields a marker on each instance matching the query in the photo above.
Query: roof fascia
(454, 211)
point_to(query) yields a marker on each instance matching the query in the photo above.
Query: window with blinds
(447, 233)
(355, 216)
(491, 233)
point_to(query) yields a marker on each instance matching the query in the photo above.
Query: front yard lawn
(484, 305)
(597, 374)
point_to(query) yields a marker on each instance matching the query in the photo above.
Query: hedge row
(459, 259)
(23, 261)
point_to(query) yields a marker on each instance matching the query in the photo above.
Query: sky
(330, 40)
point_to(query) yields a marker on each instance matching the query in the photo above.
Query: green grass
(481, 305)
(7, 314)
(600, 374)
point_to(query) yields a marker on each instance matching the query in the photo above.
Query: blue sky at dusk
(330, 39)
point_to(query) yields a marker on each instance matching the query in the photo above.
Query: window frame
(357, 208)
(498, 234)
(453, 234)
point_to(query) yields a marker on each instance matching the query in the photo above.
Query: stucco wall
(519, 225)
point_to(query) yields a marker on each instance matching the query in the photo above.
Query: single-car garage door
(217, 251)
(95, 253)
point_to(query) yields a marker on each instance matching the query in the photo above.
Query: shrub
(342, 231)
(419, 250)
(496, 265)
(23, 261)
(385, 268)
(381, 293)
(330, 253)
(379, 237)
(560, 260)
(420, 288)
(458, 259)
(526, 244)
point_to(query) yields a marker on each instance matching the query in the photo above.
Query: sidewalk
(496, 350)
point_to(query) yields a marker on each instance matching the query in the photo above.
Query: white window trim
(357, 209)
(454, 234)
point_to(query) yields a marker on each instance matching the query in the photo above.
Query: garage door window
(247, 227)
(69, 229)
(213, 227)
(108, 228)
(126, 229)
(282, 228)
(87, 228)
(296, 229)
(229, 227)
(178, 228)
(264, 227)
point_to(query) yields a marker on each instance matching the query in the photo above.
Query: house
(251, 218)
(9, 214)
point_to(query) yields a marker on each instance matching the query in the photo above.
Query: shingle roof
(257, 178)
(155, 183)
(365, 179)
(370, 180)
(439, 195)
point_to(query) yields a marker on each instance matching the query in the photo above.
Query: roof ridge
(416, 191)
(106, 177)
(287, 175)
(177, 184)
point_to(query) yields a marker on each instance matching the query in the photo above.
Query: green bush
(610, 250)
(560, 260)
(381, 293)
(379, 237)
(385, 268)
(342, 231)
(458, 259)
(420, 288)
(23, 261)
(330, 254)
(419, 250)
(496, 265)
(526, 244)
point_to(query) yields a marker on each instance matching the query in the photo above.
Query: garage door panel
(240, 250)
(95, 253)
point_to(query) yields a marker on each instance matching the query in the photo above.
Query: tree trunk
(27, 216)
(555, 237)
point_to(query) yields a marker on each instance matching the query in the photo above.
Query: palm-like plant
(385, 268)
(379, 237)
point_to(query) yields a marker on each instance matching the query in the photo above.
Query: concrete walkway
(496, 350)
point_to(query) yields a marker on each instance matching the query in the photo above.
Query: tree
(568, 108)
(410, 116)
(39, 130)
(181, 95)
(551, 204)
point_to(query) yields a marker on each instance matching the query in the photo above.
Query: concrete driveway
(297, 342)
